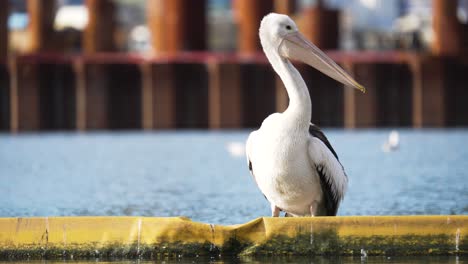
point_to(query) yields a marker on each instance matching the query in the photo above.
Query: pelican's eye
(288, 27)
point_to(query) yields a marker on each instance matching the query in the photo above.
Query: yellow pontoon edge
(151, 237)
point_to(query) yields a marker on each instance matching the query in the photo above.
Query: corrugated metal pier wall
(207, 90)
(100, 88)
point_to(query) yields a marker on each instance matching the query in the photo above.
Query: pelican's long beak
(295, 46)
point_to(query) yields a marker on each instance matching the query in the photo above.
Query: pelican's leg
(274, 210)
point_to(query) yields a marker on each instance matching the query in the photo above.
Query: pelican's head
(279, 33)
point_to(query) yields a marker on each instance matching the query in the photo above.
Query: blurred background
(191, 74)
(136, 64)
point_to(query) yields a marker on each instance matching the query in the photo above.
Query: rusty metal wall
(128, 92)
(56, 96)
(4, 98)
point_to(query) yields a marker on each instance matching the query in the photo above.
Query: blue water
(192, 174)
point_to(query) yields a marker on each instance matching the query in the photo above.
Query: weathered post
(194, 29)
(99, 33)
(25, 88)
(286, 7)
(93, 96)
(4, 76)
(249, 15)
(447, 29)
(163, 94)
(96, 74)
(4, 7)
(360, 110)
(157, 25)
(112, 92)
(455, 91)
(428, 92)
(80, 78)
(256, 78)
(258, 92)
(147, 101)
(320, 25)
(225, 95)
(177, 25)
(24, 94)
(93, 91)
(41, 25)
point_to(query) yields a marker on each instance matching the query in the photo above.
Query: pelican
(291, 160)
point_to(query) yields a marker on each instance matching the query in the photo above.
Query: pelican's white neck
(300, 105)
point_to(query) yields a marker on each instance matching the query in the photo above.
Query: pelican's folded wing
(333, 178)
(248, 152)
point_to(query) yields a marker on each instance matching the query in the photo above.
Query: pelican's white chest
(282, 168)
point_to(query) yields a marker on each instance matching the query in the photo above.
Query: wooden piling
(96, 97)
(41, 25)
(258, 84)
(394, 94)
(174, 24)
(163, 91)
(179, 95)
(4, 98)
(249, 15)
(326, 95)
(428, 92)
(191, 82)
(195, 33)
(321, 26)
(156, 23)
(124, 96)
(177, 25)
(360, 110)
(456, 107)
(147, 99)
(4, 12)
(42, 93)
(447, 29)
(225, 95)
(24, 97)
(109, 93)
(80, 78)
(4, 74)
(287, 7)
(99, 33)
(57, 103)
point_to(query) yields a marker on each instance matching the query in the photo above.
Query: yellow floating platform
(151, 237)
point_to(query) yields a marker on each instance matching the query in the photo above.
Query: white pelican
(290, 159)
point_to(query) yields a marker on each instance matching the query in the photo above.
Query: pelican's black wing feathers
(316, 132)
(330, 201)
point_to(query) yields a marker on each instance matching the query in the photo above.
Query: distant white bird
(290, 159)
(236, 149)
(392, 143)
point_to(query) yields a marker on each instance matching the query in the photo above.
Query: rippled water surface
(193, 174)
